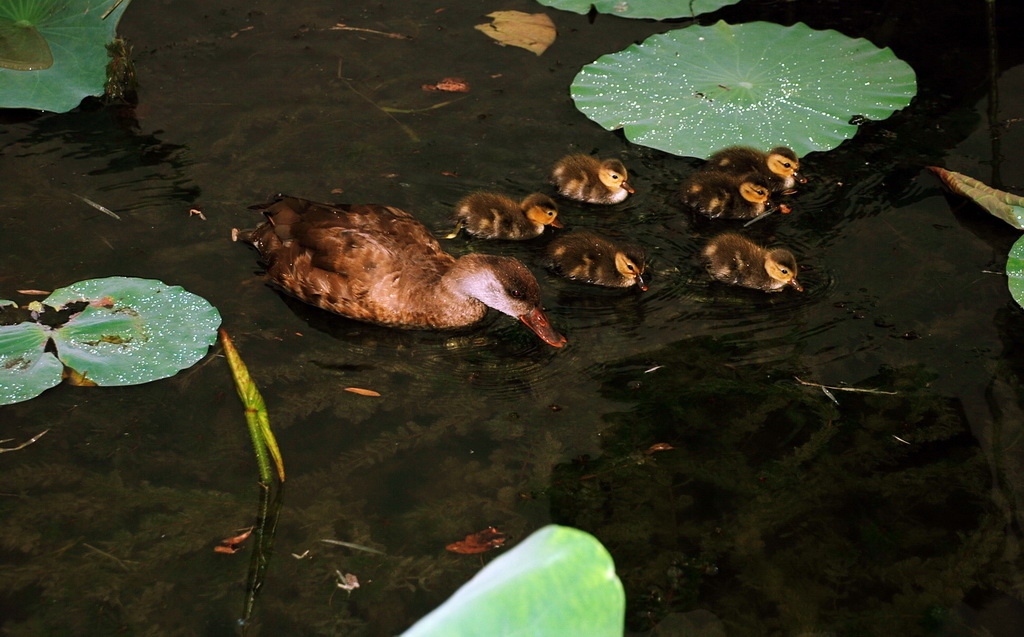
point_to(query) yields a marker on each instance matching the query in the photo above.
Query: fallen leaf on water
(348, 581)
(661, 446)
(39, 292)
(534, 32)
(362, 392)
(230, 545)
(76, 378)
(480, 542)
(449, 85)
(1000, 204)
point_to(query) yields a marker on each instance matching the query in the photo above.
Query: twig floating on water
(97, 206)
(111, 10)
(344, 27)
(358, 547)
(22, 445)
(853, 389)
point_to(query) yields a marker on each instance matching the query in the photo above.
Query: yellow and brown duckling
(584, 256)
(378, 264)
(732, 258)
(584, 178)
(779, 167)
(722, 195)
(489, 215)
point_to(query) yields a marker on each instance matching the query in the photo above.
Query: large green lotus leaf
(26, 369)
(53, 52)
(693, 91)
(656, 9)
(558, 581)
(999, 203)
(134, 330)
(1015, 271)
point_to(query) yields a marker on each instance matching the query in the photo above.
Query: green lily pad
(53, 52)
(999, 203)
(1015, 271)
(558, 581)
(693, 91)
(26, 370)
(22, 47)
(656, 9)
(134, 330)
(130, 331)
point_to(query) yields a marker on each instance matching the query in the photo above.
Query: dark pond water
(777, 512)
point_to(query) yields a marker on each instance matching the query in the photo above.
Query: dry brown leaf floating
(660, 446)
(449, 85)
(362, 392)
(480, 542)
(534, 32)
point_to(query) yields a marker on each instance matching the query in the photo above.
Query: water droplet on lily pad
(757, 84)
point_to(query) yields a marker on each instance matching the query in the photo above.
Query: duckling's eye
(759, 191)
(784, 270)
(786, 164)
(630, 267)
(616, 176)
(515, 293)
(551, 213)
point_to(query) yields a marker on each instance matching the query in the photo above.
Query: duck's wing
(351, 259)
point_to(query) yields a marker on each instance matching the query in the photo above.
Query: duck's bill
(796, 284)
(537, 322)
(557, 224)
(800, 179)
(628, 188)
(640, 282)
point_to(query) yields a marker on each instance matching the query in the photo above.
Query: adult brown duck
(378, 264)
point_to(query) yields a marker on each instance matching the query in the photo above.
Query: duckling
(732, 258)
(584, 256)
(492, 216)
(378, 264)
(717, 194)
(583, 178)
(779, 167)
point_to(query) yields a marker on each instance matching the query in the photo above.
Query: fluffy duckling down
(584, 178)
(489, 215)
(584, 256)
(732, 258)
(779, 168)
(722, 195)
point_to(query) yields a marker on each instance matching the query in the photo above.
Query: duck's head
(783, 162)
(613, 175)
(754, 191)
(540, 208)
(631, 264)
(505, 284)
(781, 266)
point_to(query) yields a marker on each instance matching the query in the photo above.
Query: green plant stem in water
(263, 440)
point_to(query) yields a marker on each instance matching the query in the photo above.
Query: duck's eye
(759, 191)
(551, 213)
(786, 164)
(616, 176)
(515, 293)
(784, 270)
(630, 267)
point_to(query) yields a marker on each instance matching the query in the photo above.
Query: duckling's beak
(640, 283)
(537, 322)
(557, 224)
(800, 179)
(796, 284)
(628, 188)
